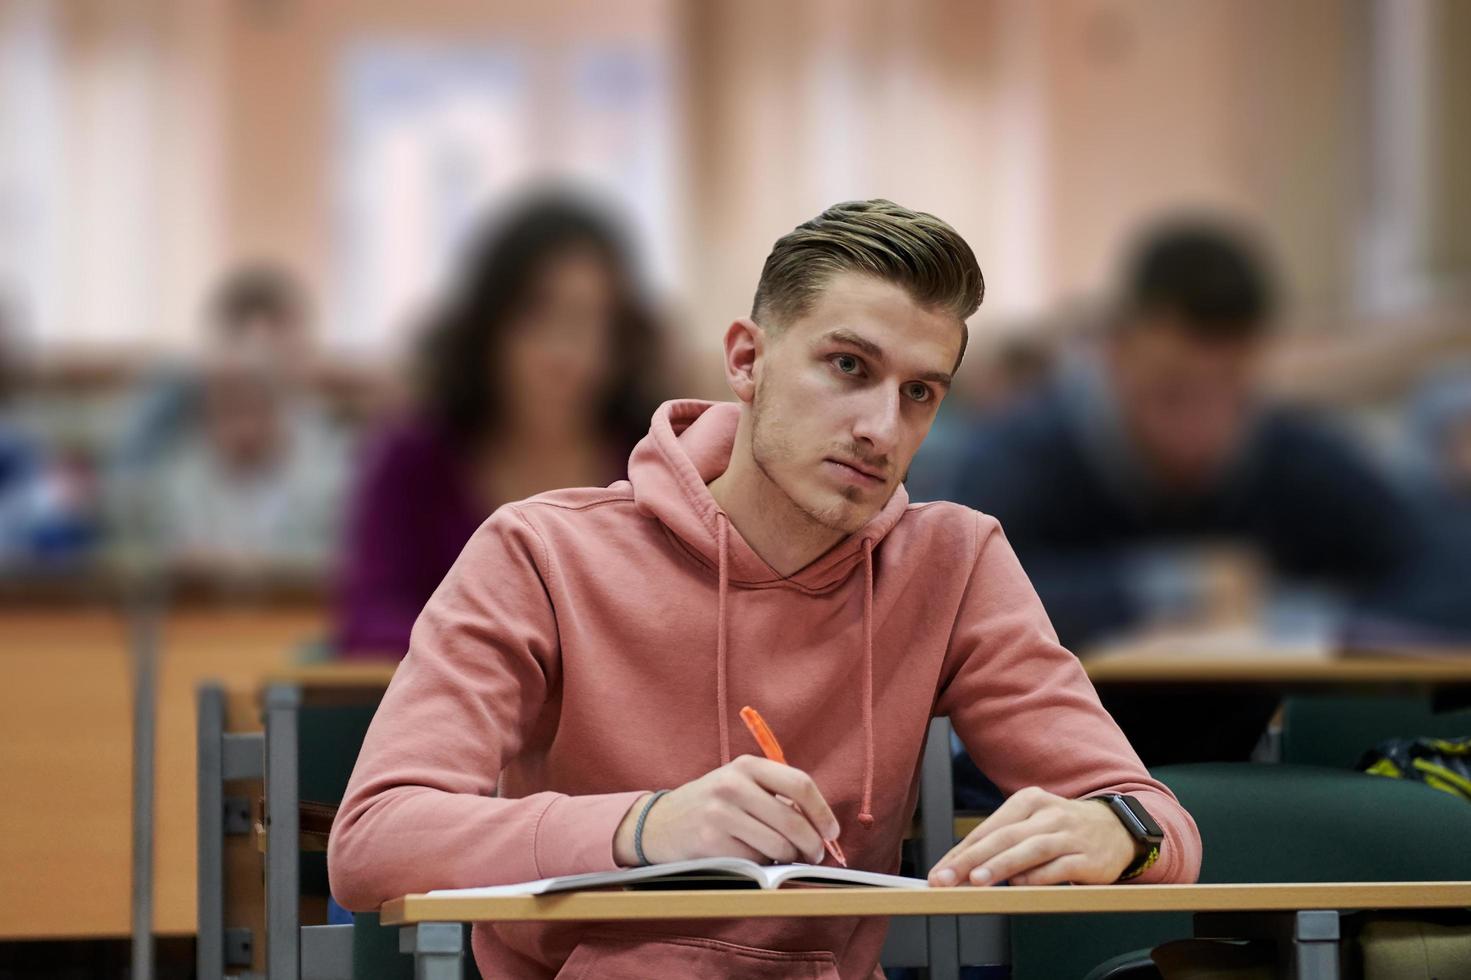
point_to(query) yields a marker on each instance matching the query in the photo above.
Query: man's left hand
(1038, 838)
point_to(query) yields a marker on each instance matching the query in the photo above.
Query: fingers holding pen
(738, 810)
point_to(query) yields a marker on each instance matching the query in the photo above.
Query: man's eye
(918, 392)
(846, 363)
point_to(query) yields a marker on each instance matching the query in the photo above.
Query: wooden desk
(1032, 900)
(65, 736)
(1149, 667)
(1311, 911)
(1146, 666)
(65, 756)
(1123, 666)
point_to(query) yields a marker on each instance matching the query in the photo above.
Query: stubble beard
(769, 446)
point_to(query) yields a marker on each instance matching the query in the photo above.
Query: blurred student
(1154, 482)
(258, 307)
(244, 491)
(532, 378)
(232, 469)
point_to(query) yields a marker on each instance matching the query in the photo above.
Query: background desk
(1142, 665)
(1287, 671)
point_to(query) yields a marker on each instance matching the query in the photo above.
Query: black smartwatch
(1141, 826)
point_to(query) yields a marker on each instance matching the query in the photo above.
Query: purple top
(412, 511)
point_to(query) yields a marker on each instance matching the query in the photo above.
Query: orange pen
(771, 748)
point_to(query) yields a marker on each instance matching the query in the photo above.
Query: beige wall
(1251, 107)
(1450, 221)
(1044, 131)
(132, 198)
(279, 74)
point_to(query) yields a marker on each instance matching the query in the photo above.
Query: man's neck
(765, 517)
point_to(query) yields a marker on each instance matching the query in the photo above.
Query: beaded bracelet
(638, 829)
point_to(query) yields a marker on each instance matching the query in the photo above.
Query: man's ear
(745, 342)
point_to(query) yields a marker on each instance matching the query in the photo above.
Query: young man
(593, 646)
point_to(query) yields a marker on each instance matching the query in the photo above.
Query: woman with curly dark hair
(532, 376)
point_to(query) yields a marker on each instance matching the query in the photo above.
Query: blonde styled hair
(915, 251)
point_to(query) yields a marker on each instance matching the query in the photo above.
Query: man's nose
(878, 423)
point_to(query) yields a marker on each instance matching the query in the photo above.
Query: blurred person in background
(258, 307)
(549, 291)
(233, 470)
(1154, 483)
(245, 492)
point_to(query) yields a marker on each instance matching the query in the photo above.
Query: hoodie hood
(688, 445)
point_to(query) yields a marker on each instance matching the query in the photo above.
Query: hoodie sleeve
(420, 810)
(1028, 714)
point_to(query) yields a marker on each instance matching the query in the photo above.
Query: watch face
(1137, 811)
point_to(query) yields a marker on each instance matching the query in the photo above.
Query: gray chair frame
(293, 951)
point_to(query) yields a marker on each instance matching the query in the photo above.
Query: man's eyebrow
(877, 353)
(938, 377)
(853, 340)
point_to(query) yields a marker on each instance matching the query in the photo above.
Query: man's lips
(859, 468)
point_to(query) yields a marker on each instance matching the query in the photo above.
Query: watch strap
(1141, 864)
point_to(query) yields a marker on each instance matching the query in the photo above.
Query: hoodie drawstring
(865, 811)
(723, 536)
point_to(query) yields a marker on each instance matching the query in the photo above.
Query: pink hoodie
(590, 645)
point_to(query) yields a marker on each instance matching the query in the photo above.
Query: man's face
(845, 395)
(1185, 401)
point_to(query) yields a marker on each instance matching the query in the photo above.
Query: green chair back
(329, 739)
(1269, 823)
(1336, 730)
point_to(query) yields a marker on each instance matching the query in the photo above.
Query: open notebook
(697, 873)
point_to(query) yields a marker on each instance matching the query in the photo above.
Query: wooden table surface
(65, 757)
(744, 903)
(1145, 665)
(1269, 669)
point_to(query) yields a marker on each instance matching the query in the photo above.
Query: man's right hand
(733, 811)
